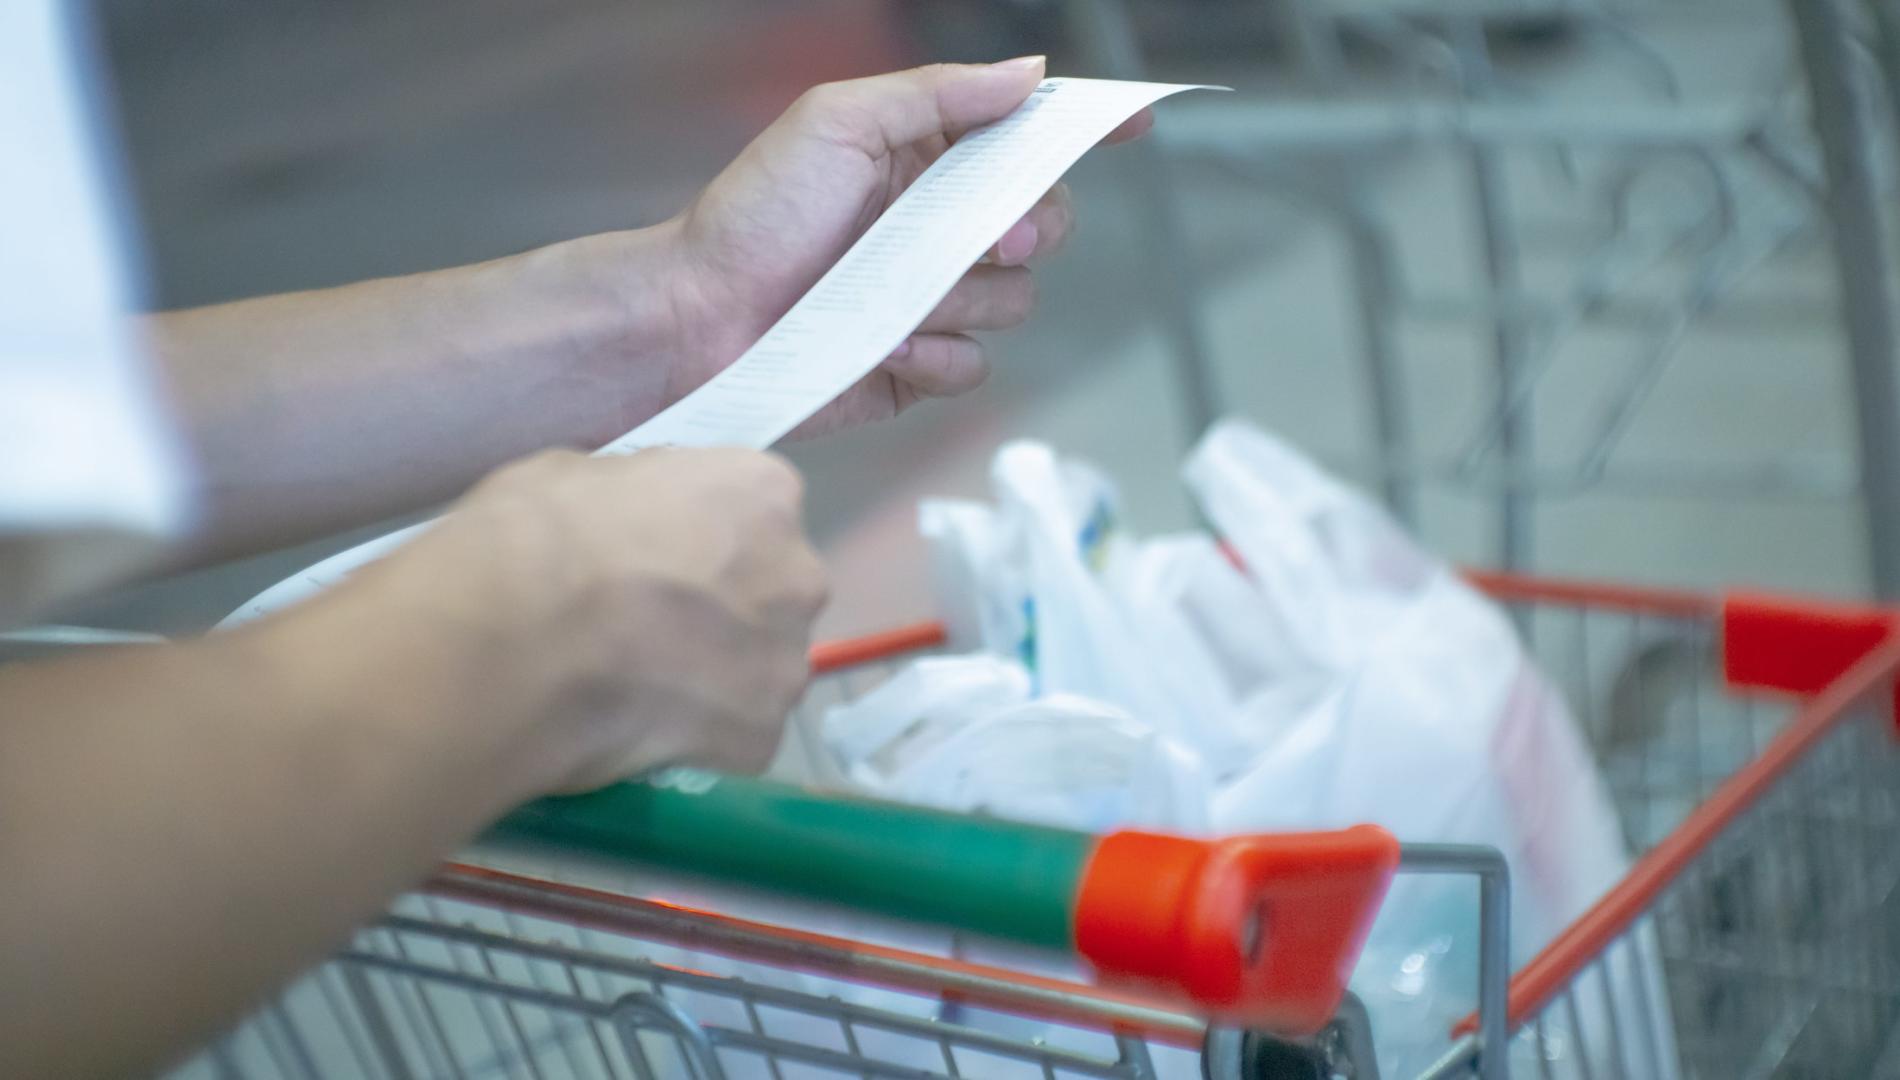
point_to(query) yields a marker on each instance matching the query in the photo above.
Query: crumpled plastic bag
(876, 735)
(1435, 724)
(1432, 722)
(1025, 579)
(963, 733)
(1322, 669)
(1306, 665)
(1210, 643)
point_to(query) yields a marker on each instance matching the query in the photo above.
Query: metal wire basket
(1619, 222)
(1750, 746)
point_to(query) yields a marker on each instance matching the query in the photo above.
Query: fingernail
(1024, 245)
(1021, 63)
(902, 350)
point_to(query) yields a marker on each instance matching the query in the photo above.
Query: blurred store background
(1407, 213)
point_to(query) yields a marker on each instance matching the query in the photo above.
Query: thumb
(883, 112)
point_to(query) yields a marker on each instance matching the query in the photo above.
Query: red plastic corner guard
(1257, 930)
(1799, 645)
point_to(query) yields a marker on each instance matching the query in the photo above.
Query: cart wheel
(1342, 1050)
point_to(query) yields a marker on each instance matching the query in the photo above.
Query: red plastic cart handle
(1256, 930)
(1800, 645)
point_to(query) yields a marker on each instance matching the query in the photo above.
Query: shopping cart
(1750, 743)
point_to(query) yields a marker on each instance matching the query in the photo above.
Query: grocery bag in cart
(1772, 906)
(1320, 669)
(1432, 720)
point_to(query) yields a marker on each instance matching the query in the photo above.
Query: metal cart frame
(1768, 890)
(1472, 109)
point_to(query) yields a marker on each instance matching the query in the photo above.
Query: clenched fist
(636, 611)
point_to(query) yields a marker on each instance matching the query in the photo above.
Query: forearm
(312, 412)
(183, 828)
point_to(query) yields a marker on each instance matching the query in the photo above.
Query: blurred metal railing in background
(1765, 174)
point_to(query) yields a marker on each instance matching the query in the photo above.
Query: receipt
(868, 302)
(896, 274)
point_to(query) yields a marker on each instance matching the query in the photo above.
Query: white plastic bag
(981, 595)
(1061, 760)
(1059, 522)
(1031, 578)
(932, 698)
(1432, 722)
(1344, 676)
(961, 733)
(1437, 724)
(1210, 643)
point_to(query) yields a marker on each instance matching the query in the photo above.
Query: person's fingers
(1040, 233)
(884, 112)
(938, 365)
(1132, 128)
(1014, 247)
(988, 298)
(925, 365)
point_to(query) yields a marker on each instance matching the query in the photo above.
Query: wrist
(409, 673)
(623, 327)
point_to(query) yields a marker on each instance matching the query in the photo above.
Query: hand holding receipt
(868, 302)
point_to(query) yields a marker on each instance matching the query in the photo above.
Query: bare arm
(319, 410)
(312, 412)
(183, 827)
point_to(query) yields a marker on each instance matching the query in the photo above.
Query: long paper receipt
(866, 304)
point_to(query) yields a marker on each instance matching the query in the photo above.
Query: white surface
(88, 478)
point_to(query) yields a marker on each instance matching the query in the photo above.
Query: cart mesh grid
(1780, 940)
